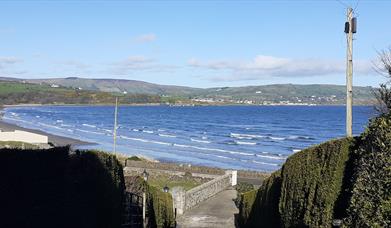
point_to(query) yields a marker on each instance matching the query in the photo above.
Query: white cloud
(144, 38)
(76, 64)
(8, 61)
(138, 63)
(269, 66)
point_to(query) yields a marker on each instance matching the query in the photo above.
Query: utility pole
(144, 209)
(115, 126)
(350, 28)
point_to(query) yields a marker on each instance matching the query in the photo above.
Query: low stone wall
(128, 171)
(184, 201)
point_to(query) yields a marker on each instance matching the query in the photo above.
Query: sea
(257, 138)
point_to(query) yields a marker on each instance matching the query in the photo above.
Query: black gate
(133, 212)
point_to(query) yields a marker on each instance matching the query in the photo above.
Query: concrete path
(217, 212)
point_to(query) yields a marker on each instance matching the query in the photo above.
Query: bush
(160, 212)
(160, 208)
(51, 188)
(311, 183)
(259, 208)
(242, 188)
(370, 204)
(245, 204)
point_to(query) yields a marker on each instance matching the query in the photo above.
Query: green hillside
(95, 91)
(12, 92)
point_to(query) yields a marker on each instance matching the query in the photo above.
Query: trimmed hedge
(303, 193)
(259, 208)
(51, 188)
(370, 203)
(160, 208)
(160, 212)
(311, 182)
(348, 179)
(245, 204)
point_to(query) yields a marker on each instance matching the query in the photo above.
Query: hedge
(160, 208)
(259, 208)
(245, 204)
(311, 183)
(160, 212)
(370, 203)
(348, 179)
(52, 188)
(303, 193)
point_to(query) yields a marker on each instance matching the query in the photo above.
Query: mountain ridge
(257, 94)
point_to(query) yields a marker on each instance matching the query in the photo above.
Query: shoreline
(57, 140)
(176, 105)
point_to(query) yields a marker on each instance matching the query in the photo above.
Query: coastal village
(270, 136)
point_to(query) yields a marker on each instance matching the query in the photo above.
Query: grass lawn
(19, 145)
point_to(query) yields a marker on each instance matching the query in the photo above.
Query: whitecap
(92, 132)
(271, 157)
(166, 135)
(277, 138)
(89, 125)
(245, 143)
(265, 163)
(200, 141)
(246, 136)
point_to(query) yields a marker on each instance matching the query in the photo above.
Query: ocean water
(239, 137)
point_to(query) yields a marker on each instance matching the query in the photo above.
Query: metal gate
(133, 211)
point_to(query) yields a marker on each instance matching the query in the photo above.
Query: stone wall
(128, 171)
(184, 201)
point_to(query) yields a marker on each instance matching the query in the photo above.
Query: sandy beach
(55, 139)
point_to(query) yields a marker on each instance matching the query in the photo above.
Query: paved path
(217, 212)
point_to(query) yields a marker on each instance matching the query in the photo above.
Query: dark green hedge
(348, 179)
(160, 212)
(245, 204)
(311, 183)
(370, 203)
(303, 193)
(51, 188)
(259, 208)
(160, 208)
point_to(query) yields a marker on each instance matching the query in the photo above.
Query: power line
(342, 3)
(355, 7)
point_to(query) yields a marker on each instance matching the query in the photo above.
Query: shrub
(242, 188)
(370, 204)
(311, 183)
(259, 208)
(245, 204)
(51, 188)
(160, 208)
(159, 205)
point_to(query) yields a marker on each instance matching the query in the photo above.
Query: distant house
(54, 86)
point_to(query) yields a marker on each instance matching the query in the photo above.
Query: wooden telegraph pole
(350, 28)
(115, 126)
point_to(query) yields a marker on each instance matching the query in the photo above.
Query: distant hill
(265, 94)
(112, 85)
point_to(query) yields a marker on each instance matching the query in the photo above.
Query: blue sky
(192, 43)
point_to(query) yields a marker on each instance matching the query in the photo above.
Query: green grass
(16, 87)
(160, 180)
(187, 184)
(18, 145)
